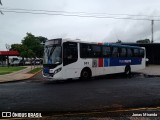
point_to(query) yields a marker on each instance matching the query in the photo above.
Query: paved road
(103, 93)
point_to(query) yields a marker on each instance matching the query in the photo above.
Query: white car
(27, 62)
(15, 63)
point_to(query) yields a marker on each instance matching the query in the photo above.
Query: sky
(14, 26)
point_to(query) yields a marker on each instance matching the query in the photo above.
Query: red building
(9, 53)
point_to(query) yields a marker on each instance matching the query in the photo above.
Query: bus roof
(100, 43)
(119, 45)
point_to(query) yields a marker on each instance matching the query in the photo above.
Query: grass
(35, 70)
(7, 70)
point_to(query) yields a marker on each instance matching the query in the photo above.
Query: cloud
(132, 30)
(15, 26)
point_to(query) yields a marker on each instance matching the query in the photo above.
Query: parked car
(15, 63)
(27, 62)
(36, 62)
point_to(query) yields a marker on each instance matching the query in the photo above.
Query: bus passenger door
(70, 56)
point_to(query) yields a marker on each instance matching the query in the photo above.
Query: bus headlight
(58, 70)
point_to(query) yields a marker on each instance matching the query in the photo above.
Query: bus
(65, 59)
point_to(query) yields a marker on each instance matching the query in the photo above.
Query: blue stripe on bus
(106, 62)
(46, 70)
(125, 61)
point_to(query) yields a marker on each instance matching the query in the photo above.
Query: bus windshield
(52, 55)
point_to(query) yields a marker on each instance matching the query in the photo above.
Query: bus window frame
(143, 54)
(69, 59)
(136, 54)
(94, 53)
(117, 53)
(128, 48)
(108, 55)
(120, 52)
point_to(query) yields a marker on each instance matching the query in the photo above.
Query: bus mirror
(147, 60)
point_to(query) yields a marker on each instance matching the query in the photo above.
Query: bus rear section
(112, 58)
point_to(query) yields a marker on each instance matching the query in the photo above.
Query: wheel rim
(85, 74)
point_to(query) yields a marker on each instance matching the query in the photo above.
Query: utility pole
(8, 48)
(152, 24)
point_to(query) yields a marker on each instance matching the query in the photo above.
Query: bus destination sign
(54, 42)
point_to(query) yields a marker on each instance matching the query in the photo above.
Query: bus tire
(86, 74)
(127, 70)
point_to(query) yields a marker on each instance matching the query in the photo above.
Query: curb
(150, 76)
(32, 75)
(147, 75)
(9, 81)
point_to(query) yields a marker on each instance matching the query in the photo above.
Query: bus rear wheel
(127, 71)
(86, 74)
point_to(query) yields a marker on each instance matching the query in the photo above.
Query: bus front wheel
(86, 74)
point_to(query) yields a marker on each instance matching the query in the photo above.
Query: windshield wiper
(51, 51)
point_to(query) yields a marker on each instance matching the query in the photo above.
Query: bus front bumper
(51, 78)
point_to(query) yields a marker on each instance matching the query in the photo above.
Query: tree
(35, 44)
(24, 51)
(31, 46)
(119, 41)
(143, 41)
(42, 39)
(2, 58)
(17, 47)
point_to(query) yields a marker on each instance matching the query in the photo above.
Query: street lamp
(8, 48)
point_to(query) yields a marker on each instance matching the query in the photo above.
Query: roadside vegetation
(7, 70)
(35, 70)
(31, 46)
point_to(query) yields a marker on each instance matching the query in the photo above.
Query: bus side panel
(100, 62)
(71, 71)
(125, 61)
(74, 70)
(134, 68)
(114, 69)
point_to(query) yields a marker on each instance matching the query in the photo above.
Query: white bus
(64, 59)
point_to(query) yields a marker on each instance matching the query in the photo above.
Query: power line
(87, 13)
(82, 14)
(76, 15)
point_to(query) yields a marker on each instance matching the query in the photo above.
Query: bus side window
(136, 52)
(70, 53)
(106, 50)
(141, 52)
(129, 52)
(123, 52)
(96, 51)
(85, 50)
(115, 52)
